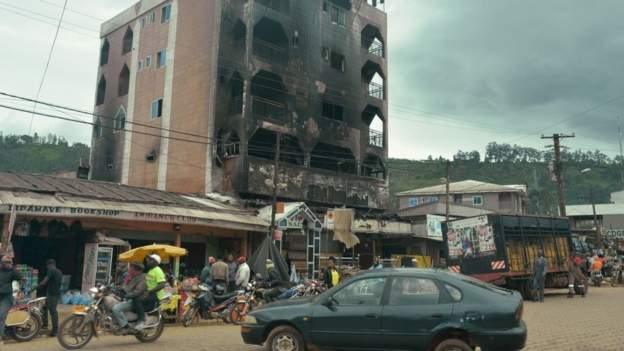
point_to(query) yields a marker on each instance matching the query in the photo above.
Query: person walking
(206, 273)
(242, 273)
(220, 273)
(331, 277)
(232, 269)
(8, 275)
(52, 282)
(133, 289)
(540, 268)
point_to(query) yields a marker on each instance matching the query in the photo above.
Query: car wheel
(453, 345)
(285, 338)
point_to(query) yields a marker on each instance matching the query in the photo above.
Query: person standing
(8, 275)
(243, 273)
(155, 282)
(206, 273)
(331, 277)
(52, 282)
(540, 268)
(220, 273)
(232, 269)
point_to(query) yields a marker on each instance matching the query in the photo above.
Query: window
(148, 61)
(337, 61)
(477, 200)
(97, 128)
(120, 120)
(362, 292)
(325, 53)
(157, 106)
(124, 81)
(140, 65)
(332, 111)
(161, 58)
(454, 293)
(337, 14)
(101, 92)
(104, 51)
(413, 291)
(458, 198)
(127, 41)
(143, 22)
(152, 17)
(165, 14)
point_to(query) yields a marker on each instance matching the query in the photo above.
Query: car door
(414, 308)
(351, 317)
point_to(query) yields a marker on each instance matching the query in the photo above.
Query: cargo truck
(500, 249)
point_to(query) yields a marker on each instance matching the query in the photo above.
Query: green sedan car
(395, 309)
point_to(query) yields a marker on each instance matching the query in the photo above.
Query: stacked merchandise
(31, 278)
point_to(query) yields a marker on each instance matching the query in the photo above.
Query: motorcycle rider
(273, 281)
(8, 275)
(134, 287)
(575, 275)
(242, 273)
(155, 281)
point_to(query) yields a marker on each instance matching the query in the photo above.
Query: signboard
(472, 237)
(614, 234)
(422, 200)
(104, 264)
(434, 226)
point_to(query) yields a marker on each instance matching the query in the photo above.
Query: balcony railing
(269, 109)
(376, 90)
(374, 45)
(375, 138)
(270, 52)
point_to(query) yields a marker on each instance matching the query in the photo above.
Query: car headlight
(250, 320)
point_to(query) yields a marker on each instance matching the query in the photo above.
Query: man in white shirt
(243, 273)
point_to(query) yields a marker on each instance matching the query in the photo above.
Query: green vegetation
(37, 154)
(507, 164)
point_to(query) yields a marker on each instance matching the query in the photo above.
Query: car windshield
(483, 285)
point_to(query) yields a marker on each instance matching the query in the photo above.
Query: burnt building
(191, 97)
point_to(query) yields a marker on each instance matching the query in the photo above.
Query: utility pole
(448, 190)
(278, 140)
(558, 169)
(621, 152)
(598, 231)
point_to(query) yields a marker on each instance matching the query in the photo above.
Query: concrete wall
(491, 201)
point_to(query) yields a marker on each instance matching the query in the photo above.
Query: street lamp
(593, 202)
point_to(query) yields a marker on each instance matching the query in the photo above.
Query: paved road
(559, 324)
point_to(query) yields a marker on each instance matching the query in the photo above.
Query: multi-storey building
(192, 95)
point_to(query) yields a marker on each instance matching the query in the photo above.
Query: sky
(461, 73)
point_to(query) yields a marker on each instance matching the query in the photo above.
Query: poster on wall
(88, 269)
(434, 226)
(104, 264)
(472, 237)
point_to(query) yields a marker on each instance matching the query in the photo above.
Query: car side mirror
(330, 303)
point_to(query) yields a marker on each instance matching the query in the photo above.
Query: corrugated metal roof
(601, 209)
(465, 187)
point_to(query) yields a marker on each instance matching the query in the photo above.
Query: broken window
(372, 41)
(333, 158)
(337, 61)
(269, 96)
(372, 74)
(157, 108)
(104, 52)
(101, 92)
(373, 167)
(236, 94)
(127, 42)
(120, 120)
(333, 111)
(270, 42)
(262, 145)
(124, 81)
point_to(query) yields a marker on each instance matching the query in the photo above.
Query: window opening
(127, 41)
(124, 81)
(101, 92)
(270, 42)
(165, 14)
(104, 52)
(333, 158)
(337, 61)
(161, 58)
(120, 120)
(332, 111)
(157, 107)
(269, 96)
(372, 41)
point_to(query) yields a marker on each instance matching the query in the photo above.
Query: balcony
(375, 138)
(376, 90)
(269, 52)
(269, 110)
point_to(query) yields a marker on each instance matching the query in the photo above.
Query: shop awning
(59, 206)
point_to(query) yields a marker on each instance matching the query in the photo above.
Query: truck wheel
(527, 290)
(285, 338)
(453, 345)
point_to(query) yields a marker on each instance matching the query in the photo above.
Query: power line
(47, 17)
(46, 22)
(47, 65)
(73, 11)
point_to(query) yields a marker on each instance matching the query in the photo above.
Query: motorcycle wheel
(70, 337)
(238, 312)
(28, 331)
(151, 335)
(189, 316)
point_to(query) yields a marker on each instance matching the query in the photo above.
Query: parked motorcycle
(209, 303)
(76, 331)
(244, 304)
(24, 322)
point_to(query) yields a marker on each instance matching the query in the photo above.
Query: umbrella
(268, 250)
(164, 251)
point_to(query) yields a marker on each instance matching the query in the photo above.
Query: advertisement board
(434, 226)
(472, 237)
